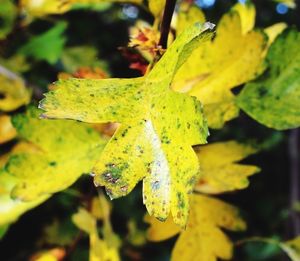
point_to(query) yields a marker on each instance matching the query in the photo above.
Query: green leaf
(3, 230)
(47, 46)
(273, 99)
(8, 13)
(158, 128)
(64, 151)
(290, 247)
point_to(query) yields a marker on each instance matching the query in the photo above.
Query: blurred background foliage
(92, 36)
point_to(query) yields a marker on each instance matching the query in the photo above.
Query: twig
(294, 154)
(166, 21)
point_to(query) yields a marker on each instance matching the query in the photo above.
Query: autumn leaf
(187, 15)
(234, 57)
(48, 7)
(101, 249)
(65, 151)
(7, 131)
(203, 238)
(273, 99)
(11, 209)
(292, 248)
(288, 3)
(219, 169)
(273, 31)
(13, 91)
(158, 129)
(156, 7)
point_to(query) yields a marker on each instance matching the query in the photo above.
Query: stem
(166, 21)
(294, 154)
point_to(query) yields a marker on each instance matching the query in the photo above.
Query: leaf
(273, 31)
(247, 14)
(100, 249)
(288, 3)
(219, 170)
(77, 57)
(188, 15)
(7, 131)
(48, 7)
(158, 129)
(45, 7)
(234, 57)
(8, 14)
(3, 230)
(292, 248)
(54, 254)
(203, 238)
(65, 150)
(156, 7)
(273, 99)
(16, 63)
(47, 46)
(13, 92)
(11, 209)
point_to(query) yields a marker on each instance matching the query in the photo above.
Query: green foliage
(273, 99)
(47, 46)
(8, 13)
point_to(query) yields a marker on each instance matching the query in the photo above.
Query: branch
(294, 154)
(166, 21)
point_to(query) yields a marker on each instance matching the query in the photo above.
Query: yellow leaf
(292, 248)
(7, 131)
(55, 254)
(273, 31)
(37, 8)
(156, 7)
(11, 210)
(13, 90)
(247, 14)
(100, 249)
(288, 3)
(231, 59)
(45, 7)
(188, 15)
(66, 150)
(219, 170)
(100, 211)
(203, 238)
(158, 128)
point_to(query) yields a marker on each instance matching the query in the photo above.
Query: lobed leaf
(219, 169)
(198, 242)
(66, 150)
(232, 58)
(7, 131)
(13, 90)
(158, 129)
(273, 99)
(47, 46)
